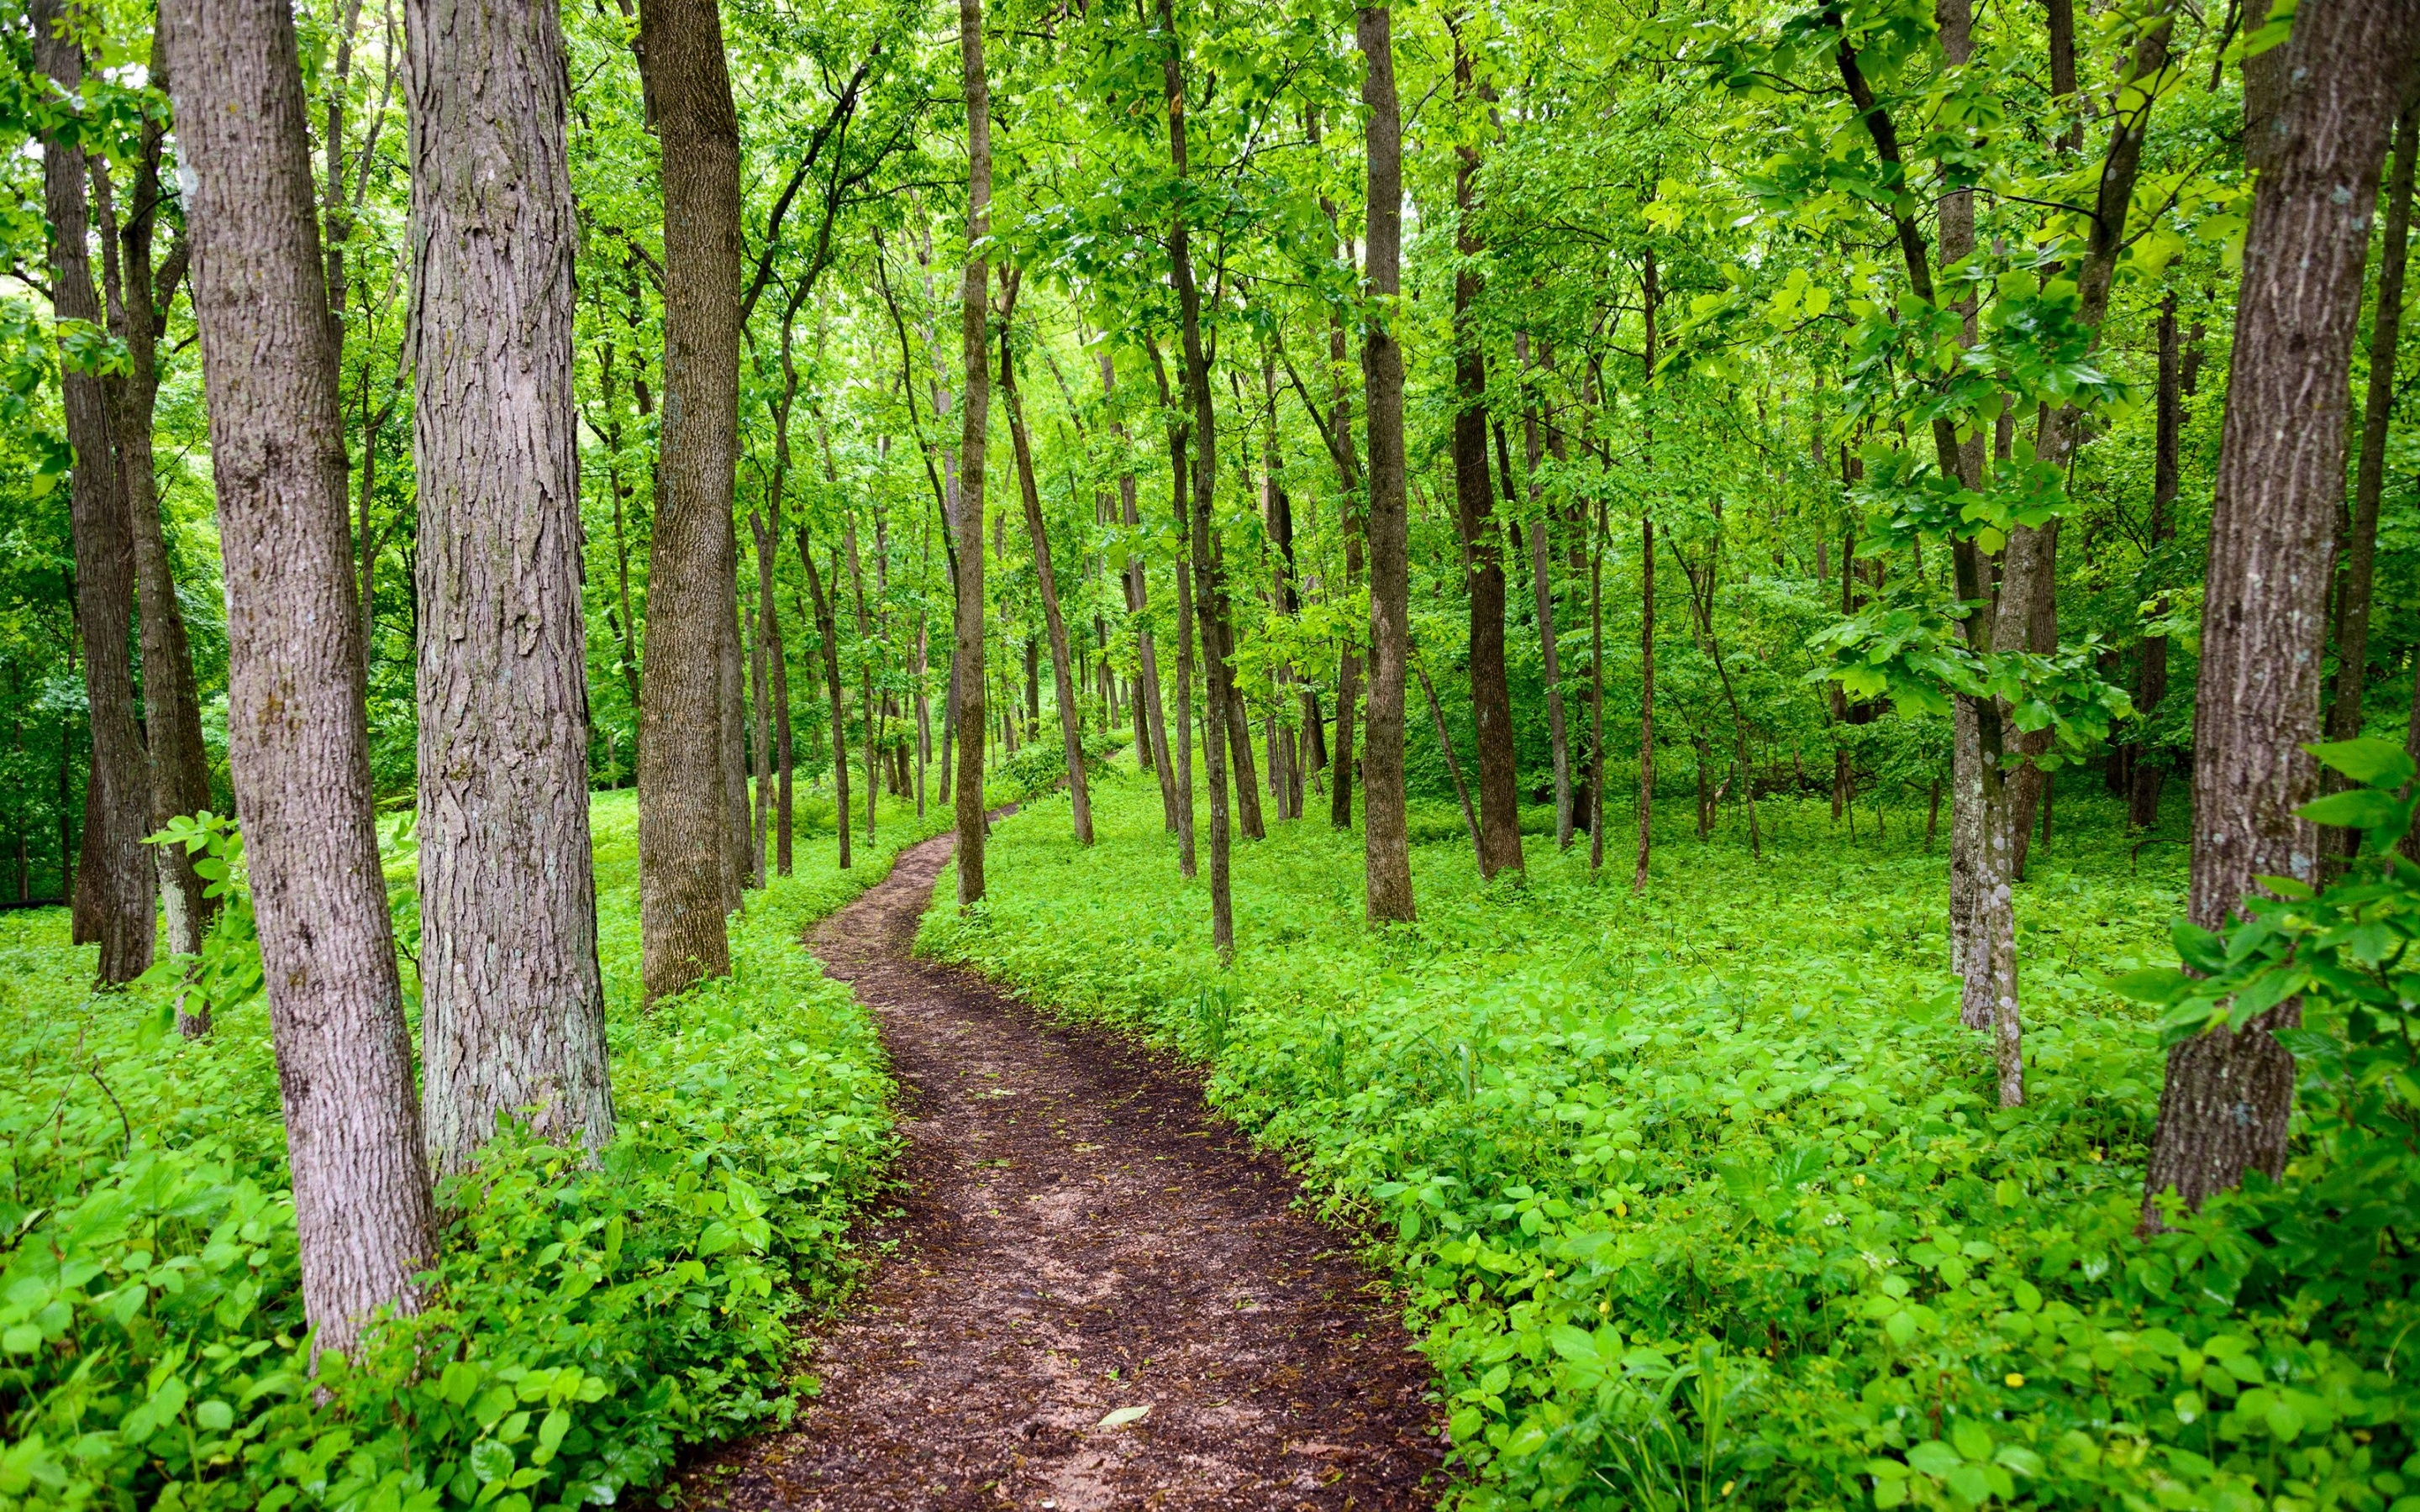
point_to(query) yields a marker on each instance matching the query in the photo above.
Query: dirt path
(1078, 1237)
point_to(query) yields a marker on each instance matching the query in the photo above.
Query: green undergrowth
(1701, 1197)
(589, 1318)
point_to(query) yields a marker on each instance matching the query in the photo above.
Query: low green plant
(1701, 1197)
(588, 1316)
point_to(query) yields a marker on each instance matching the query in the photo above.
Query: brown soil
(1079, 1235)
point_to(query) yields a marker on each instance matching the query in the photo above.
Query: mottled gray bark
(685, 821)
(298, 736)
(512, 1016)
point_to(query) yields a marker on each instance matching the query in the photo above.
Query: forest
(1073, 754)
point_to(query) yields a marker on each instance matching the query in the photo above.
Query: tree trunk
(1209, 591)
(1452, 763)
(512, 1002)
(298, 735)
(2369, 477)
(976, 353)
(2151, 675)
(836, 689)
(116, 882)
(1491, 698)
(2224, 1108)
(1150, 711)
(685, 822)
(1385, 830)
(1179, 466)
(1063, 675)
(1542, 583)
(137, 305)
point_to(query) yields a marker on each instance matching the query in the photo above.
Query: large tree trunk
(1349, 523)
(137, 304)
(1063, 676)
(1386, 837)
(116, 883)
(298, 735)
(976, 352)
(512, 1017)
(685, 822)
(1490, 698)
(2228, 1096)
(2369, 475)
(1209, 591)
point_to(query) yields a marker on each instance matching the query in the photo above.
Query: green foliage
(1039, 766)
(587, 1315)
(1701, 1197)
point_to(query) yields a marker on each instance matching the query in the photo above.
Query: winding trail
(1077, 1235)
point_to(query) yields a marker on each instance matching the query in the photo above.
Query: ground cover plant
(1700, 1196)
(586, 1319)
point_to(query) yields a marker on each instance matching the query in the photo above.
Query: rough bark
(2226, 1103)
(116, 879)
(2369, 473)
(298, 736)
(684, 815)
(512, 1001)
(976, 412)
(1385, 830)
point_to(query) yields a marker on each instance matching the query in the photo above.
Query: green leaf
(1125, 1415)
(2354, 809)
(1933, 1457)
(2369, 761)
(2153, 984)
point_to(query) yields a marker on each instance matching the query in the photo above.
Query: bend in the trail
(1078, 1239)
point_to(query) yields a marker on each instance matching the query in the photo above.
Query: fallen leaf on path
(1125, 1415)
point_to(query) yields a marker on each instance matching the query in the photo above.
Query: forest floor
(1077, 1237)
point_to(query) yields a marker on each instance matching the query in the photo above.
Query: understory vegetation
(588, 1317)
(1701, 1197)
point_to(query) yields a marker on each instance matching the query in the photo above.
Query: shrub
(590, 1316)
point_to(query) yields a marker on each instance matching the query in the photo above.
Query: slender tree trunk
(685, 822)
(836, 689)
(1596, 717)
(1385, 830)
(1151, 712)
(512, 1001)
(1491, 698)
(2369, 477)
(1209, 591)
(1350, 524)
(1452, 761)
(976, 351)
(1179, 469)
(760, 818)
(181, 778)
(627, 627)
(115, 884)
(1542, 583)
(1063, 675)
(2151, 676)
(2228, 1097)
(297, 737)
